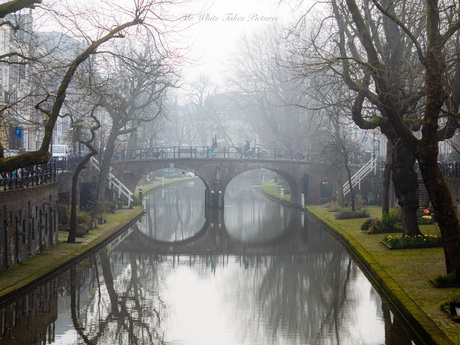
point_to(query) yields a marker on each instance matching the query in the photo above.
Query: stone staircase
(369, 167)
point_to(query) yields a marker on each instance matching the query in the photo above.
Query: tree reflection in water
(277, 299)
(175, 212)
(314, 294)
(123, 308)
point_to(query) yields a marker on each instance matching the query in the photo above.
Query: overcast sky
(219, 24)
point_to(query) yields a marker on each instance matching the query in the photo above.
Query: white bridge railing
(356, 179)
(114, 184)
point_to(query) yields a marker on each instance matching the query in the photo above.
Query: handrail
(114, 183)
(230, 152)
(356, 179)
(28, 176)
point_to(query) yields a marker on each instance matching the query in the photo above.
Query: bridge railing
(28, 176)
(210, 152)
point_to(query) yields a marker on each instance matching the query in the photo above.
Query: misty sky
(219, 24)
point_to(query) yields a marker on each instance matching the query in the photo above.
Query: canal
(255, 273)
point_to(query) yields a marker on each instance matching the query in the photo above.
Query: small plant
(110, 207)
(83, 217)
(450, 280)
(390, 223)
(420, 241)
(332, 206)
(349, 214)
(136, 201)
(63, 216)
(443, 281)
(367, 224)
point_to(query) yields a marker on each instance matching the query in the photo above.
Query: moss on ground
(404, 275)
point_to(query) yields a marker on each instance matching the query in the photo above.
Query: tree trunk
(73, 208)
(387, 180)
(406, 187)
(109, 283)
(444, 213)
(386, 188)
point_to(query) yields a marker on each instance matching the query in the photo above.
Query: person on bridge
(246, 147)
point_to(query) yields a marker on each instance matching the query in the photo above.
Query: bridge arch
(216, 173)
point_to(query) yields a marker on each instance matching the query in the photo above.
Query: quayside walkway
(22, 276)
(402, 275)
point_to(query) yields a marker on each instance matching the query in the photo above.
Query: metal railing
(211, 152)
(28, 176)
(114, 184)
(356, 179)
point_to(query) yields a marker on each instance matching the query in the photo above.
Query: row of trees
(102, 63)
(383, 65)
(380, 64)
(395, 67)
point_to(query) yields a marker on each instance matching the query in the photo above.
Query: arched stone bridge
(303, 177)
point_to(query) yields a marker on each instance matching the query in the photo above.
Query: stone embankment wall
(28, 222)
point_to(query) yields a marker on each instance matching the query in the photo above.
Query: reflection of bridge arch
(303, 177)
(214, 239)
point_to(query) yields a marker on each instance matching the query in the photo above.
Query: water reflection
(298, 287)
(129, 298)
(175, 212)
(250, 217)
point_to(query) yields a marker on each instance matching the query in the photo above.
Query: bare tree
(88, 142)
(270, 93)
(396, 58)
(96, 26)
(132, 94)
(16, 5)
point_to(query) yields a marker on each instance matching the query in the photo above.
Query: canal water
(256, 273)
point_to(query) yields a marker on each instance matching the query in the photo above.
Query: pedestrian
(246, 147)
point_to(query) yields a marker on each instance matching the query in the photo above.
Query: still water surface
(300, 288)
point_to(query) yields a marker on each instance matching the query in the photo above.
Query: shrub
(444, 281)
(332, 206)
(390, 222)
(367, 224)
(349, 214)
(359, 202)
(136, 201)
(62, 210)
(83, 217)
(393, 217)
(110, 206)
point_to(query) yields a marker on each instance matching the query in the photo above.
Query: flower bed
(407, 242)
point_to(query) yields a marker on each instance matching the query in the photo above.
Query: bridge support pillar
(216, 199)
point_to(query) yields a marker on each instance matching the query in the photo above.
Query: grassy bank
(157, 182)
(403, 275)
